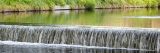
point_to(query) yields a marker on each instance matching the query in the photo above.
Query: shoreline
(69, 8)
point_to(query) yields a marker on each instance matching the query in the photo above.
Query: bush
(90, 4)
(60, 2)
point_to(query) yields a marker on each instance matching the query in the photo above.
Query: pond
(80, 31)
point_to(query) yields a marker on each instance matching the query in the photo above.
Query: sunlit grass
(23, 5)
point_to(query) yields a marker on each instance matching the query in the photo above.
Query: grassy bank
(23, 5)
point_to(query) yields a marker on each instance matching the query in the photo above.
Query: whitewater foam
(56, 46)
(152, 17)
(30, 36)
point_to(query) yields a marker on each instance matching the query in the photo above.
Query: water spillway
(129, 38)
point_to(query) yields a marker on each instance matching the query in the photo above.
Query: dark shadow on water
(159, 6)
(13, 49)
(91, 10)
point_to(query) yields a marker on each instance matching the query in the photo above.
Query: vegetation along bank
(29, 5)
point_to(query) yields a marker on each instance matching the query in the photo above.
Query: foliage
(88, 4)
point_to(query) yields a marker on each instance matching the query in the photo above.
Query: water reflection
(114, 17)
(16, 49)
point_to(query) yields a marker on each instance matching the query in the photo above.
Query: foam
(56, 46)
(152, 17)
(79, 26)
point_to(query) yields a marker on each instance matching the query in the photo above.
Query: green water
(105, 17)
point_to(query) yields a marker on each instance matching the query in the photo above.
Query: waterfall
(134, 38)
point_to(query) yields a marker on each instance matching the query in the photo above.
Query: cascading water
(141, 39)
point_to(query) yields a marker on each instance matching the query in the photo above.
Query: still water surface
(148, 18)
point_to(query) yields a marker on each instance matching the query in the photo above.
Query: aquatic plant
(24, 5)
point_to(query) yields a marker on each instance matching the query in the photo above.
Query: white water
(152, 17)
(56, 46)
(80, 37)
(80, 26)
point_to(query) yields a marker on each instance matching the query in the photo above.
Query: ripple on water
(152, 17)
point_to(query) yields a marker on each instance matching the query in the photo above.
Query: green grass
(19, 5)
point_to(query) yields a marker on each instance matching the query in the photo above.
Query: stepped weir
(109, 37)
